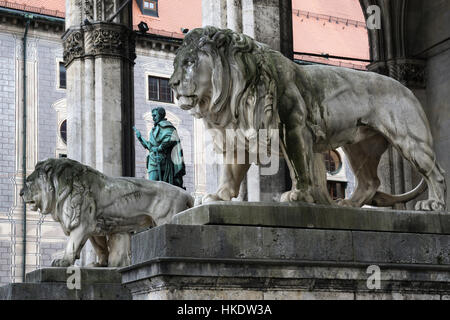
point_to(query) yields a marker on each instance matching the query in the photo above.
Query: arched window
(333, 162)
(63, 131)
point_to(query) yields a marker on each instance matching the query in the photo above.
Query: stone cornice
(14, 22)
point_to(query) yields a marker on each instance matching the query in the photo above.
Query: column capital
(99, 39)
(410, 72)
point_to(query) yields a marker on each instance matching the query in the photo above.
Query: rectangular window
(62, 76)
(149, 7)
(159, 90)
(336, 189)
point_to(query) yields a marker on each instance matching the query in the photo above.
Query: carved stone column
(99, 53)
(99, 57)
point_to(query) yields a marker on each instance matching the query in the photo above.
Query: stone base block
(51, 284)
(308, 257)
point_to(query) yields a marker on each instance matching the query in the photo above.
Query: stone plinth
(51, 284)
(268, 251)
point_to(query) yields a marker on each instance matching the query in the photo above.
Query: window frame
(159, 78)
(338, 166)
(60, 61)
(63, 122)
(147, 11)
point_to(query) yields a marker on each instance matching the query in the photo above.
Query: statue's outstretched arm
(144, 142)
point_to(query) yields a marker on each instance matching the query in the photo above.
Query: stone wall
(428, 30)
(5, 261)
(438, 72)
(48, 54)
(7, 121)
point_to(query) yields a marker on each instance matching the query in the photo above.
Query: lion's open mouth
(187, 102)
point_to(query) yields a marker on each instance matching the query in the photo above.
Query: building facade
(32, 81)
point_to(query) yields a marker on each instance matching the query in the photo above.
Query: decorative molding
(99, 10)
(73, 46)
(89, 9)
(106, 42)
(410, 72)
(99, 39)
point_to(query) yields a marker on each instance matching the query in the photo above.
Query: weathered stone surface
(126, 205)
(59, 291)
(254, 262)
(365, 125)
(302, 215)
(51, 284)
(88, 275)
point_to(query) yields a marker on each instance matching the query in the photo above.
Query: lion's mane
(71, 194)
(243, 78)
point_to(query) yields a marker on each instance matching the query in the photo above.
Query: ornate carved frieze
(100, 39)
(410, 72)
(107, 42)
(73, 46)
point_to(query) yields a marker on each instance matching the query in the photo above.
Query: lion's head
(59, 187)
(224, 77)
(39, 190)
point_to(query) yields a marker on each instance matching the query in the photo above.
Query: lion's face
(39, 192)
(191, 79)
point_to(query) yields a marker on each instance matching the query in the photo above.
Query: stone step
(302, 215)
(51, 284)
(88, 275)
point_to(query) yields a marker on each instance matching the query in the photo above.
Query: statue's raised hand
(138, 133)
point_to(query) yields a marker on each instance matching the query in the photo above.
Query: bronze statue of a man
(165, 156)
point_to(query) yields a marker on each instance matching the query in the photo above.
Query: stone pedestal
(51, 284)
(292, 251)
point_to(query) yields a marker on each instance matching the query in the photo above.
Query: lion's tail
(382, 199)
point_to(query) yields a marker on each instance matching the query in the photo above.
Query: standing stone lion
(90, 205)
(234, 82)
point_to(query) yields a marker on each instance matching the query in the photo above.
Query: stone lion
(90, 205)
(234, 82)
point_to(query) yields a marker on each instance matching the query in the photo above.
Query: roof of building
(319, 27)
(55, 8)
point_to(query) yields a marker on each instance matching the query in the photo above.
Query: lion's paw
(61, 263)
(296, 195)
(430, 205)
(346, 203)
(210, 198)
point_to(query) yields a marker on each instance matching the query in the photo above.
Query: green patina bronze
(165, 155)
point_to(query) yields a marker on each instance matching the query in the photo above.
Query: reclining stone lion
(234, 82)
(90, 205)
